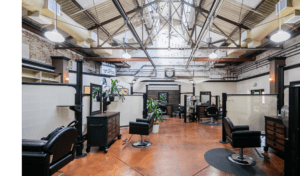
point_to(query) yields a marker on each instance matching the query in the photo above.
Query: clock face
(169, 73)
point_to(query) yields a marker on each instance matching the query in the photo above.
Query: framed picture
(123, 91)
(165, 95)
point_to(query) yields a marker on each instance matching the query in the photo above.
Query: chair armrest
(241, 127)
(33, 145)
(142, 120)
(35, 163)
(140, 124)
(245, 134)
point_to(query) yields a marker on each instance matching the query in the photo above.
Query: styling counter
(276, 133)
(102, 129)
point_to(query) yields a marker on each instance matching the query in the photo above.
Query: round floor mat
(217, 124)
(218, 158)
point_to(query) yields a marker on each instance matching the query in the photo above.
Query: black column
(280, 87)
(78, 114)
(185, 98)
(131, 88)
(224, 99)
(193, 89)
(145, 97)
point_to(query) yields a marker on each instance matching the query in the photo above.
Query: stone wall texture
(41, 50)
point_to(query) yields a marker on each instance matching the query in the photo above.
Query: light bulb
(213, 55)
(126, 55)
(280, 36)
(54, 36)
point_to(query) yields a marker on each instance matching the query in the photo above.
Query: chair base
(245, 161)
(142, 144)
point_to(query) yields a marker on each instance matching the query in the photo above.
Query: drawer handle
(96, 125)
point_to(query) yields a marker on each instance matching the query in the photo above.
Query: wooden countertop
(105, 114)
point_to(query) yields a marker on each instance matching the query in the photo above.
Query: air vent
(50, 5)
(282, 4)
(293, 18)
(246, 37)
(84, 44)
(92, 36)
(39, 18)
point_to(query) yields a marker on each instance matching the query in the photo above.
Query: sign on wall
(107, 69)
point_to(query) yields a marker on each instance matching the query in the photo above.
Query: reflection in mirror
(205, 98)
(95, 98)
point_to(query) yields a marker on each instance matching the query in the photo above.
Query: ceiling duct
(67, 24)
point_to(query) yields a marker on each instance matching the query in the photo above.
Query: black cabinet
(102, 129)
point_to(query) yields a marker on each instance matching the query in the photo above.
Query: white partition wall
(251, 109)
(40, 114)
(130, 109)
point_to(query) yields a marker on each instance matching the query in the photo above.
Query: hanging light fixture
(54, 36)
(213, 55)
(126, 55)
(281, 35)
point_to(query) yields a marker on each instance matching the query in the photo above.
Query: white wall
(130, 109)
(244, 87)
(216, 88)
(40, 114)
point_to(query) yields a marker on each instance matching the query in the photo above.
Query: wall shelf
(31, 75)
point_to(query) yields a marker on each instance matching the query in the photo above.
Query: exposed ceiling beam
(138, 9)
(200, 9)
(197, 14)
(201, 48)
(37, 30)
(98, 59)
(131, 28)
(243, 21)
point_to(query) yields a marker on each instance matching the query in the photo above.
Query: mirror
(205, 98)
(95, 98)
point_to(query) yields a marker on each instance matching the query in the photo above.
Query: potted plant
(113, 90)
(153, 107)
(97, 93)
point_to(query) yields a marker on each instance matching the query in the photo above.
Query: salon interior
(157, 88)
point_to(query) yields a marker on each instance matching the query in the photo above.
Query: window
(258, 91)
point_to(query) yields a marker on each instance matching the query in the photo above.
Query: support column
(78, 114)
(224, 99)
(274, 77)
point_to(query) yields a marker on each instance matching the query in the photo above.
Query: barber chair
(142, 127)
(163, 107)
(241, 137)
(211, 112)
(181, 111)
(45, 157)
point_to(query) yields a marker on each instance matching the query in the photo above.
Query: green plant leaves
(153, 107)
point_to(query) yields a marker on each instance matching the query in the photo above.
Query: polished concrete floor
(178, 149)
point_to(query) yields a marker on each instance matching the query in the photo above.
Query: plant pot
(111, 98)
(155, 128)
(98, 98)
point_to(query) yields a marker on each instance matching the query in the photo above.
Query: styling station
(160, 87)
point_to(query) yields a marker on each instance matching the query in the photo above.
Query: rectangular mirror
(95, 98)
(205, 98)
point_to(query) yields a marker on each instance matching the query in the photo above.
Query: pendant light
(54, 36)
(125, 55)
(212, 55)
(281, 35)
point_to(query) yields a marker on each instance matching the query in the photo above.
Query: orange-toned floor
(178, 149)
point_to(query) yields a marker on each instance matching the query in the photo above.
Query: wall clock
(169, 73)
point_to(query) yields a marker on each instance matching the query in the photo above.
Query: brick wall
(41, 50)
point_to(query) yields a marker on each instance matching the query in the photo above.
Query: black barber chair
(45, 157)
(211, 112)
(142, 127)
(241, 137)
(163, 107)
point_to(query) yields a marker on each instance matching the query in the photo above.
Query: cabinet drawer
(270, 127)
(279, 141)
(112, 120)
(271, 132)
(280, 130)
(113, 127)
(111, 137)
(270, 137)
(279, 125)
(112, 124)
(270, 123)
(275, 145)
(281, 136)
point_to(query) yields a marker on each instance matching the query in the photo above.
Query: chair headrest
(228, 121)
